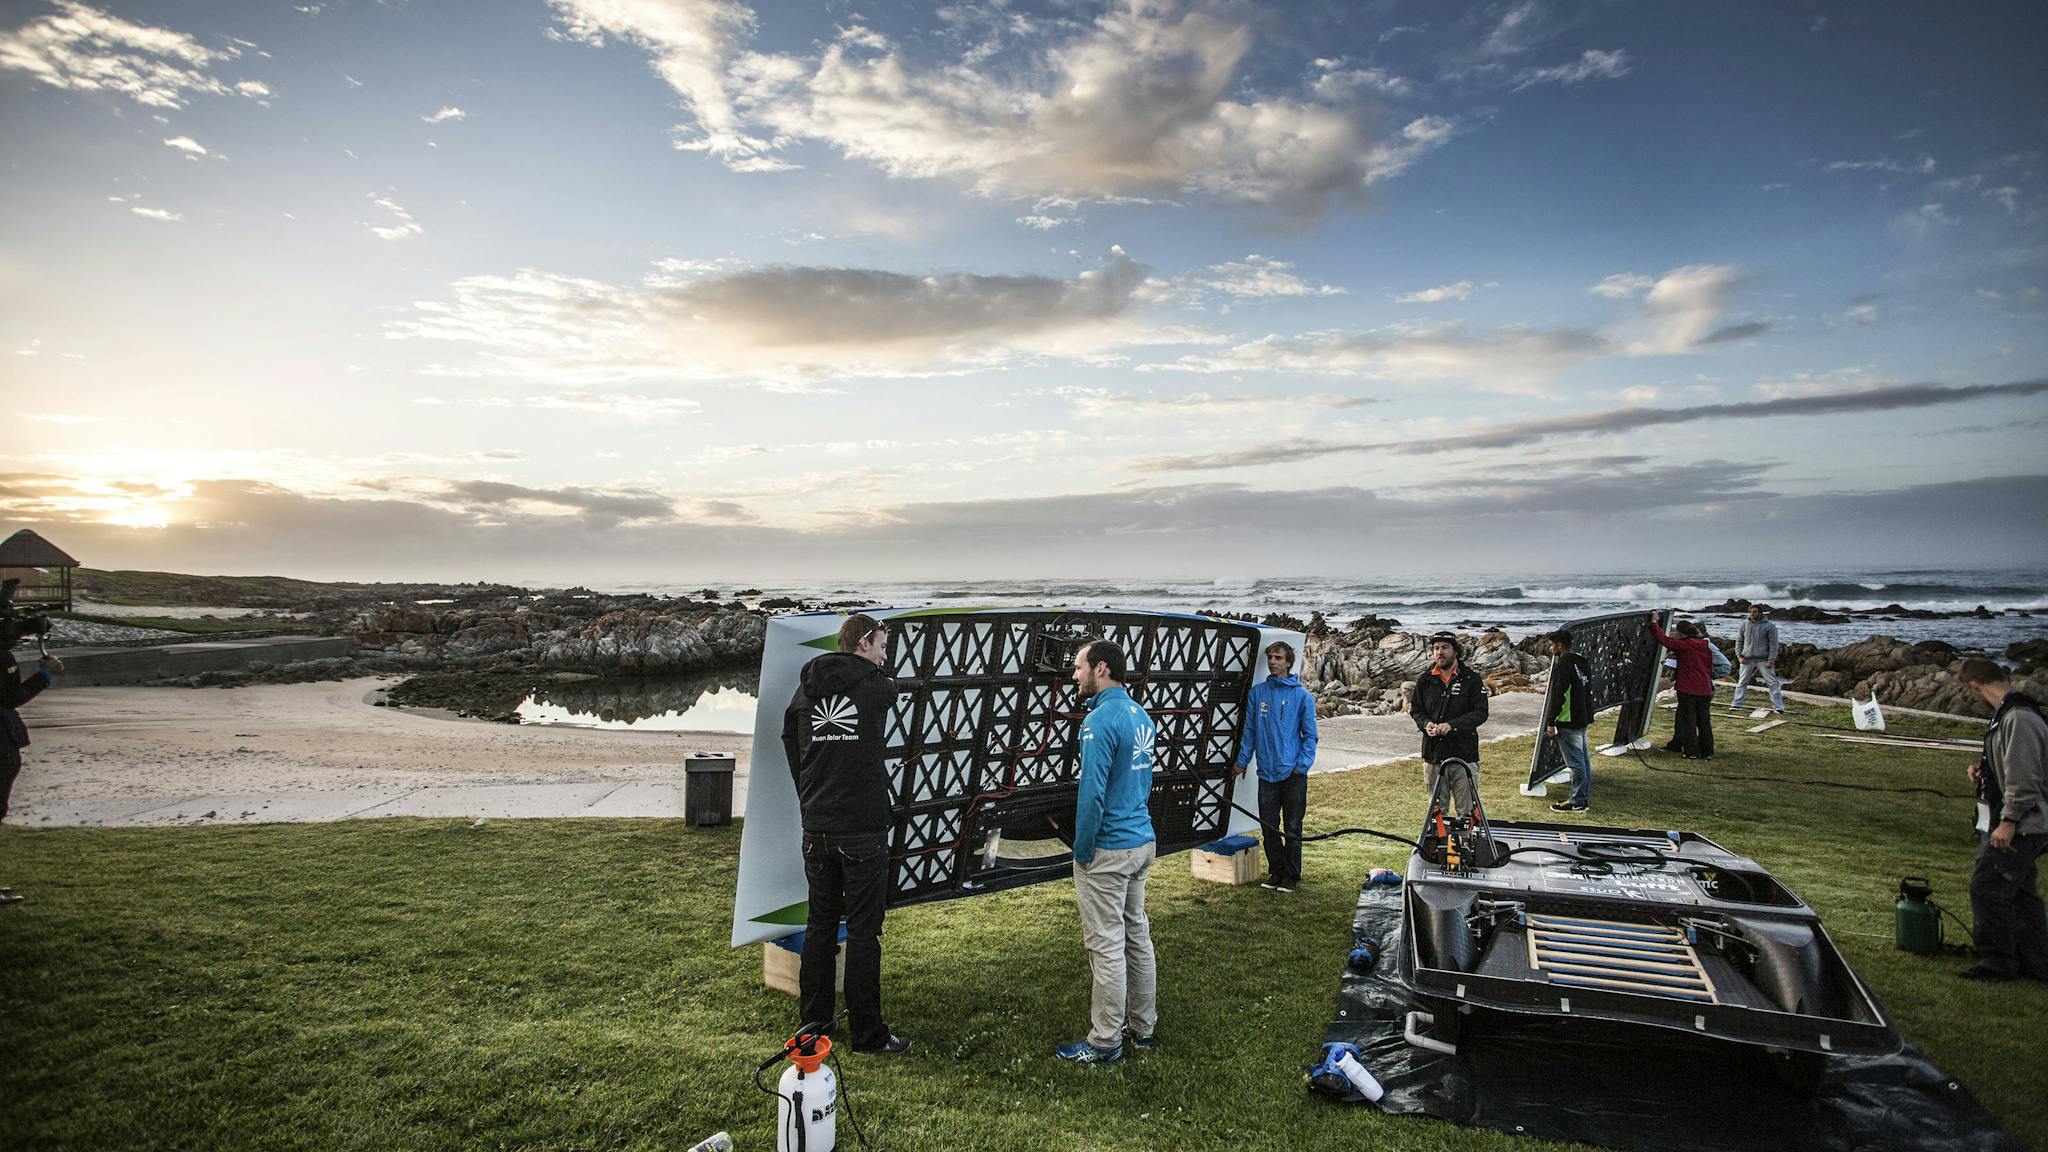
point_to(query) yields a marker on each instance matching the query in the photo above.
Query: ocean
(1520, 605)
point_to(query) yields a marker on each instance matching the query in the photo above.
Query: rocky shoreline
(1369, 667)
(479, 649)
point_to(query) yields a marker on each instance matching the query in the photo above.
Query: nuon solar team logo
(834, 718)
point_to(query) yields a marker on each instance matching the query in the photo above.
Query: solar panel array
(985, 732)
(1625, 658)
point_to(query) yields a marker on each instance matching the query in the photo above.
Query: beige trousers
(1111, 895)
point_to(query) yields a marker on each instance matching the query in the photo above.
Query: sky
(609, 291)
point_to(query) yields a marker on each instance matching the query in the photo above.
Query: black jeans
(10, 767)
(2011, 931)
(1695, 735)
(1280, 809)
(849, 877)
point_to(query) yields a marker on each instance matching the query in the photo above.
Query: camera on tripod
(15, 622)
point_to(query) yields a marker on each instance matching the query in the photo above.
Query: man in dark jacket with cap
(1448, 706)
(832, 735)
(14, 692)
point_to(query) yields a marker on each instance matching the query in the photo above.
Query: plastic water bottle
(1359, 1077)
(807, 1116)
(716, 1142)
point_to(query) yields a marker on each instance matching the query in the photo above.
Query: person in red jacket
(1694, 739)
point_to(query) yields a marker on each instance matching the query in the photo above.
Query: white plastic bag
(1869, 717)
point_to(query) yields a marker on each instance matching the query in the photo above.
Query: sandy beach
(325, 751)
(135, 745)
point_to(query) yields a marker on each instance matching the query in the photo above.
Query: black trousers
(1281, 807)
(1695, 735)
(10, 767)
(2010, 929)
(849, 877)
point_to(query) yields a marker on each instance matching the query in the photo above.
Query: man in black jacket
(1568, 709)
(1448, 706)
(832, 735)
(14, 692)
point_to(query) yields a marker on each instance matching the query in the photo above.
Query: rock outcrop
(574, 632)
(1903, 675)
(1368, 668)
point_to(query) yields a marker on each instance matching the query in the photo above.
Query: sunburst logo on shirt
(833, 714)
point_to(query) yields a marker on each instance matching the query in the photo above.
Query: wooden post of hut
(43, 569)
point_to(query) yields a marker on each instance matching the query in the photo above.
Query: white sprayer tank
(807, 1116)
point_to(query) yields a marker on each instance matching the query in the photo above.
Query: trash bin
(707, 791)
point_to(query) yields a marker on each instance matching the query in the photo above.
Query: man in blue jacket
(1280, 731)
(1113, 851)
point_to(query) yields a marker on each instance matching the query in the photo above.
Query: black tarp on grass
(1634, 1087)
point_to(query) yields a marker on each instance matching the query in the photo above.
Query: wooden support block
(782, 962)
(1231, 860)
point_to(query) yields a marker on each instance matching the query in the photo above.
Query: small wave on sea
(1649, 592)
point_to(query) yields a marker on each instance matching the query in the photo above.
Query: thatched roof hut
(43, 569)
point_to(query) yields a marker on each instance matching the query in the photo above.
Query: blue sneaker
(1143, 1043)
(1082, 1052)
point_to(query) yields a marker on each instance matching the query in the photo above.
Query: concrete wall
(85, 667)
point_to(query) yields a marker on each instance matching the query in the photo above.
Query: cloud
(1919, 222)
(690, 41)
(628, 405)
(1045, 223)
(2007, 195)
(614, 504)
(406, 225)
(1623, 286)
(1681, 311)
(1100, 403)
(1611, 512)
(1337, 84)
(186, 144)
(1924, 166)
(1507, 360)
(1607, 422)
(1417, 138)
(82, 49)
(1593, 64)
(1255, 277)
(1519, 29)
(446, 112)
(1747, 330)
(789, 325)
(1147, 99)
(167, 217)
(726, 510)
(1462, 290)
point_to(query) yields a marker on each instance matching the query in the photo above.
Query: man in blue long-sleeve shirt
(1280, 732)
(1113, 850)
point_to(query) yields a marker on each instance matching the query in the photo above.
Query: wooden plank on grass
(1923, 745)
(1768, 725)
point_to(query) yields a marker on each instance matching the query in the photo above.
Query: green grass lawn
(566, 984)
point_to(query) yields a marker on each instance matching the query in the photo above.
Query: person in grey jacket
(1758, 651)
(2011, 929)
